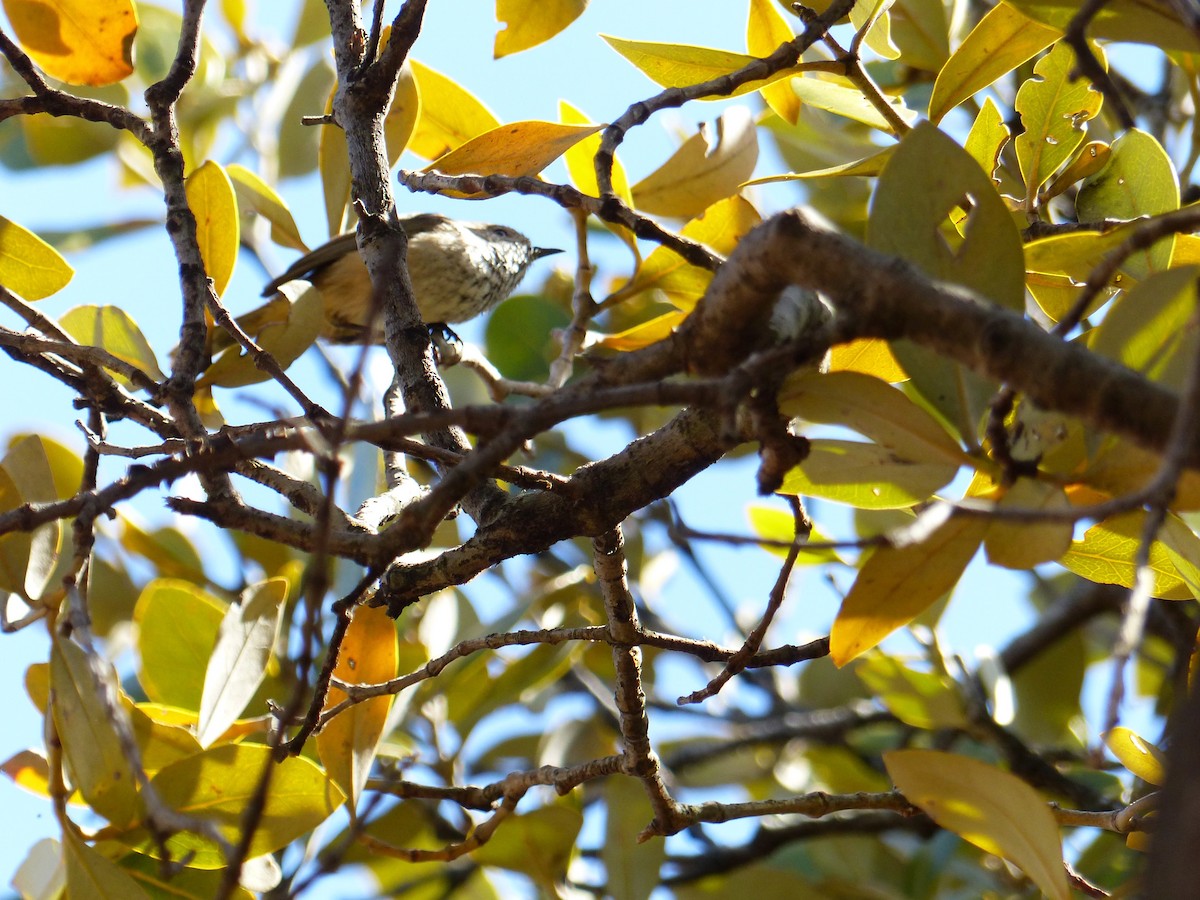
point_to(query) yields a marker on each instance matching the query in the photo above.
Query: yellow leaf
(254, 194)
(450, 115)
(515, 149)
(1122, 467)
(77, 41)
(581, 167)
(870, 356)
(897, 584)
(867, 166)
(1137, 754)
(866, 476)
(645, 334)
(1023, 545)
(1107, 552)
(111, 328)
(369, 654)
(699, 174)
(682, 65)
(333, 164)
(1091, 158)
(532, 22)
(28, 265)
(990, 808)
(1003, 39)
(879, 34)
(766, 30)
(218, 229)
(294, 322)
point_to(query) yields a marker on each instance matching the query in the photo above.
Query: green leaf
(632, 868)
(28, 265)
(238, 662)
(775, 524)
(871, 407)
(111, 329)
(177, 630)
(1148, 328)
(1003, 39)
(1138, 21)
(217, 785)
(92, 874)
(1139, 180)
(995, 811)
(896, 584)
(1107, 552)
(920, 699)
(1054, 110)
(842, 99)
(924, 183)
(537, 844)
(95, 759)
(865, 476)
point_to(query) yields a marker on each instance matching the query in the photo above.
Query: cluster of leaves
(904, 139)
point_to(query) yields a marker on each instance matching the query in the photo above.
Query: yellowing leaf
(992, 809)
(896, 584)
(776, 524)
(218, 784)
(77, 41)
(239, 660)
(766, 30)
(369, 654)
(878, 35)
(870, 356)
(1023, 545)
(218, 229)
(987, 137)
(580, 158)
(294, 323)
(1054, 110)
(1122, 467)
(1138, 755)
(255, 194)
(849, 102)
(865, 476)
(1003, 39)
(699, 174)
(95, 760)
(1107, 552)
(518, 148)
(1091, 158)
(874, 409)
(174, 656)
(28, 560)
(112, 329)
(532, 22)
(867, 166)
(28, 265)
(450, 114)
(682, 65)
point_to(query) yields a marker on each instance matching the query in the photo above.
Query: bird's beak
(539, 252)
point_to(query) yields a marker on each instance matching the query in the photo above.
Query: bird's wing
(328, 252)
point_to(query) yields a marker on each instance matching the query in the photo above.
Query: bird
(459, 270)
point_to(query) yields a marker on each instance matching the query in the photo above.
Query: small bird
(459, 270)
